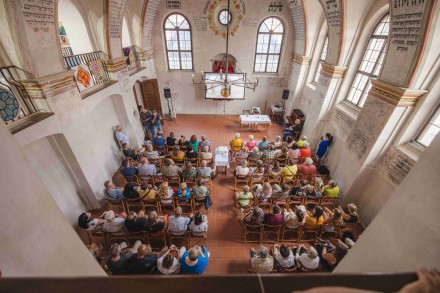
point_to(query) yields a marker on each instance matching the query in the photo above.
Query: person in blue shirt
(121, 136)
(159, 141)
(155, 123)
(128, 171)
(195, 260)
(183, 191)
(263, 145)
(326, 141)
(111, 192)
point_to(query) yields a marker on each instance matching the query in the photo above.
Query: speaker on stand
(285, 96)
(170, 97)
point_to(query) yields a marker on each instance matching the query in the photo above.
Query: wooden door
(151, 95)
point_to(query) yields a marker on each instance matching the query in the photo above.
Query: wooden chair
(238, 179)
(160, 149)
(133, 204)
(173, 180)
(246, 111)
(158, 179)
(309, 233)
(169, 150)
(164, 206)
(197, 203)
(257, 178)
(184, 203)
(271, 230)
(312, 201)
(190, 181)
(245, 207)
(116, 205)
(287, 270)
(273, 179)
(158, 236)
(172, 237)
(295, 200)
(292, 181)
(290, 234)
(250, 230)
(282, 203)
(131, 179)
(209, 163)
(330, 202)
(146, 178)
(207, 180)
(142, 236)
(116, 237)
(282, 161)
(194, 161)
(147, 204)
(131, 162)
(180, 163)
(100, 235)
(196, 238)
(329, 231)
(268, 162)
(252, 162)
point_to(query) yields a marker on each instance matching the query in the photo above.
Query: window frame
(179, 51)
(268, 47)
(321, 59)
(371, 75)
(428, 122)
(229, 17)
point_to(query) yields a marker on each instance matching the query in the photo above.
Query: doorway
(149, 94)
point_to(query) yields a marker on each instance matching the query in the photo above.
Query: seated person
(159, 141)
(146, 191)
(191, 154)
(194, 143)
(86, 222)
(282, 154)
(270, 153)
(199, 225)
(306, 261)
(255, 154)
(128, 171)
(264, 144)
(119, 260)
(169, 262)
(130, 153)
(251, 143)
(293, 131)
(135, 222)
(112, 223)
(289, 172)
(330, 254)
(204, 142)
(275, 218)
(266, 193)
(254, 216)
(178, 224)
(130, 191)
(295, 219)
(195, 260)
(258, 171)
(151, 153)
(315, 218)
(170, 169)
(205, 154)
(262, 262)
(283, 256)
(111, 192)
(183, 142)
(243, 170)
(275, 170)
(177, 154)
(154, 224)
(183, 191)
(352, 216)
(204, 171)
(306, 152)
(307, 168)
(242, 155)
(283, 193)
(301, 141)
(294, 152)
(289, 142)
(237, 143)
(278, 143)
(244, 197)
(144, 261)
(332, 218)
(310, 191)
(188, 171)
(165, 193)
(145, 168)
(200, 191)
(171, 140)
(300, 190)
(331, 189)
(256, 190)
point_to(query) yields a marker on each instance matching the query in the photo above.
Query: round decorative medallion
(9, 106)
(218, 15)
(224, 17)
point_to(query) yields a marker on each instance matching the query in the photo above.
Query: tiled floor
(225, 235)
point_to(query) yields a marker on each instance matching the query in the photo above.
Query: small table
(276, 110)
(221, 160)
(254, 120)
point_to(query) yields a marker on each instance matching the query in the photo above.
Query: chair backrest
(132, 179)
(146, 178)
(252, 161)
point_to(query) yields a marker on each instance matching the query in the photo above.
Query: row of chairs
(293, 181)
(281, 233)
(196, 162)
(156, 180)
(188, 205)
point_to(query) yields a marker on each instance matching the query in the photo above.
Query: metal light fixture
(224, 83)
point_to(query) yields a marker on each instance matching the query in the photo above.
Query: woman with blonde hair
(165, 193)
(333, 218)
(352, 216)
(263, 145)
(278, 143)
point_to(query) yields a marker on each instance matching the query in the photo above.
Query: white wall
(126, 42)
(75, 27)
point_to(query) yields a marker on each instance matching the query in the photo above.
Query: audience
(171, 140)
(206, 154)
(262, 262)
(283, 256)
(169, 262)
(331, 189)
(86, 222)
(200, 191)
(266, 192)
(293, 131)
(151, 153)
(159, 141)
(331, 254)
(165, 193)
(118, 261)
(126, 170)
(315, 218)
(194, 143)
(251, 143)
(275, 218)
(154, 225)
(135, 222)
(254, 217)
(289, 172)
(177, 154)
(270, 153)
(300, 190)
(255, 154)
(145, 168)
(306, 152)
(183, 191)
(307, 261)
(295, 219)
(144, 260)
(170, 169)
(195, 260)
(111, 192)
(199, 225)
(352, 216)
(178, 224)
(278, 143)
(307, 168)
(189, 172)
(129, 153)
(294, 152)
(130, 191)
(301, 141)
(236, 143)
(244, 197)
(204, 171)
(146, 191)
(333, 218)
(263, 145)
(191, 153)
(289, 141)
(183, 142)
(204, 142)
(120, 135)
(112, 223)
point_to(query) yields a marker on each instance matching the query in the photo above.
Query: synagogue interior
(252, 146)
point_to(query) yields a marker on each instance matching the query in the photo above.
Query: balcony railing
(94, 62)
(15, 102)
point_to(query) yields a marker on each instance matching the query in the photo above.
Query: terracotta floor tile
(228, 253)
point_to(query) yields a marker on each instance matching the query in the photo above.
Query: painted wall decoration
(96, 68)
(214, 7)
(83, 77)
(66, 49)
(173, 4)
(297, 12)
(275, 6)
(9, 106)
(397, 165)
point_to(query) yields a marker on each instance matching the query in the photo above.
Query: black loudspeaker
(167, 92)
(286, 94)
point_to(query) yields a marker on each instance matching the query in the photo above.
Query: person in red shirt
(274, 218)
(306, 152)
(307, 168)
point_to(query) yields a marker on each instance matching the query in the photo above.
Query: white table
(221, 159)
(254, 120)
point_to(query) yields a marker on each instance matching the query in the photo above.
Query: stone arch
(148, 18)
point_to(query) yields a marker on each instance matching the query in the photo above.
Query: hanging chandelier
(225, 80)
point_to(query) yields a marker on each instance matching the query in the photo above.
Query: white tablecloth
(221, 158)
(276, 109)
(254, 119)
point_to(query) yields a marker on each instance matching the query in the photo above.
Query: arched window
(178, 42)
(269, 43)
(371, 63)
(431, 129)
(322, 58)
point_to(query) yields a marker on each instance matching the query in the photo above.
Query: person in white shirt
(242, 170)
(307, 261)
(199, 225)
(121, 136)
(169, 263)
(283, 256)
(113, 224)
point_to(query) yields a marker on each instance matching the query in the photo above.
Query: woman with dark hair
(326, 141)
(283, 256)
(330, 254)
(289, 142)
(130, 191)
(194, 143)
(316, 217)
(199, 225)
(294, 152)
(295, 219)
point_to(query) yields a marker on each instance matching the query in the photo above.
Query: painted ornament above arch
(212, 10)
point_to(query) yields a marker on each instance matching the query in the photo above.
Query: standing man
(145, 117)
(155, 122)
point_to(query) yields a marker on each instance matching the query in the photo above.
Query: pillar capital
(333, 71)
(302, 60)
(50, 85)
(395, 95)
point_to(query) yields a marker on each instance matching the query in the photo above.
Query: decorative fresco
(213, 10)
